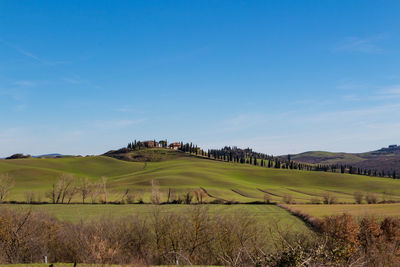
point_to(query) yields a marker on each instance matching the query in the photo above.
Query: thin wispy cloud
(243, 121)
(393, 90)
(21, 51)
(73, 80)
(388, 93)
(31, 55)
(20, 107)
(24, 83)
(360, 45)
(355, 115)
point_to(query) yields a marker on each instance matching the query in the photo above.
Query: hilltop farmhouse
(175, 146)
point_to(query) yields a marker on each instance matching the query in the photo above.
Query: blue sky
(83, 77)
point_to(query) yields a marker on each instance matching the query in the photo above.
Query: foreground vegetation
(177, 174)
(195, 237)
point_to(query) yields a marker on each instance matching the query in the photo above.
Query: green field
(77, 212)
(379, 211)
(182, 173)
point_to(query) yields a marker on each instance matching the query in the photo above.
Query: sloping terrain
(387, 159)
(183, 173)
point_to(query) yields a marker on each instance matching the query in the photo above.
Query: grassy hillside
(182, 173)
(387, 159)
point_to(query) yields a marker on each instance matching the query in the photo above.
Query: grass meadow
(379, 211)
(265, 214)
(181, 174)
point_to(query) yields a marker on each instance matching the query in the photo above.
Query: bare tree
(371, 198)
(329, 198)
(267, 199)
(29, 197)
(358, 197)
(67, 181)
(71, 193)
(6, 183)
(200, 195)
(288, 199)
(62, 188)
(155, 192)
(187, 198)
(94, 192)
(84, 189)
(103, 184)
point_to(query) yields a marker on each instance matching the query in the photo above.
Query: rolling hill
(387, 159)
(180, 173)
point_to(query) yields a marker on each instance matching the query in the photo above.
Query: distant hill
(387, 158)
(54, 155)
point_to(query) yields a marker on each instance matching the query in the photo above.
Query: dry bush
(288, 199)
(155, 192)
(267, 198)
(239, 240)
(130, 197)
(187, 198)
(23, 236)
(358, 197)
(341, 232)
(315, 200)
(84, 189)
(194, 237)
(200, 195)
(6, 184)
(29, 197)
(329, 198)
(371, 198)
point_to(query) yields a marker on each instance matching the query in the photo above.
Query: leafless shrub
(200, 195)
(288, 199)
(84, 189)
(94, 192)
(129, 197)
(194, 237)
(6, 184)
(341, 232)
(371, 198)
(155, 192)
(187, 198)
(315, 200)
(267, 198)
(358, 197)
(29, 197)
(329, 198)
(103, 188)
(171, 196)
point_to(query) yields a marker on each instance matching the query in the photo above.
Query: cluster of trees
(136, 145)
(195, 237)
(19, 156)
(67, 186)
(248, 156)
(197, 196)
(370, 198)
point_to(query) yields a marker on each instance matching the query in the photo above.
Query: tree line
(248, 156)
